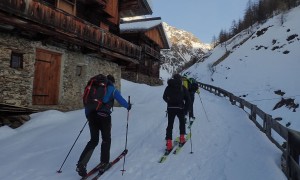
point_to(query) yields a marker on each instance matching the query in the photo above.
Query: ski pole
(59, 171)
(123, 170)
(203, 108)
(191, 136)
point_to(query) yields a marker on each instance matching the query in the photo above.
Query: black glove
(129, 107)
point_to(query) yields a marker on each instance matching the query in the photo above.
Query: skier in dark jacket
(193, 87)
(100, 121)
(178, 102)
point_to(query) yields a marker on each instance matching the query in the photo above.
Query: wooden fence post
(268, 127)
(215, 91)
(252, 115)
(293, 156)
(218, 92)
(231, 99)
(242, 104)
(209, 89)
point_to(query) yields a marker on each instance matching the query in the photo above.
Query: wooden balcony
(38, 17)
(151, 52)
(100, 2)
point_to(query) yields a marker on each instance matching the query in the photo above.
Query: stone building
(50, 48)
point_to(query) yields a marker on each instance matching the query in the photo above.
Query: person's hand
(129, 107)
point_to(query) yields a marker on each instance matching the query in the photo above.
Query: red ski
(111, 164)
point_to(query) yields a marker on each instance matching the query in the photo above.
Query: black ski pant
(97, 123)
(172, 113)
(191, 113)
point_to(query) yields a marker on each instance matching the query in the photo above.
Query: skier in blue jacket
(100, 121)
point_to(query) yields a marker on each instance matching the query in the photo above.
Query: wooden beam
(60, 35)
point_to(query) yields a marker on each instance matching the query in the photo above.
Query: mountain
(260, 64)
(185, 47)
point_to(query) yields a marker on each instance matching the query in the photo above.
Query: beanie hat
(111, 78)
(176, 76)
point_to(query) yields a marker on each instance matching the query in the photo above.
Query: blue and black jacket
(111, 94)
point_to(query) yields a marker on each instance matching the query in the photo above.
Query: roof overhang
(129, 8)
(137, 26)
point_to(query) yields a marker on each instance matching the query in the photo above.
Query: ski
(111, 164)
(91, 172)
(176, 143)
(179, 147)
(166, 154)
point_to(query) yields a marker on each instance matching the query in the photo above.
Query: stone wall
(17, 84)
(73, 84)
(141, 78)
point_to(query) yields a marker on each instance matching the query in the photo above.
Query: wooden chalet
(149, 34)
(50, 48)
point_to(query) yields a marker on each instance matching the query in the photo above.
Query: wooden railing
(69, 25)
(291, 153)
(150, 51)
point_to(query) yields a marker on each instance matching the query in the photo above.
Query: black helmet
(111, 78)
(177, 76)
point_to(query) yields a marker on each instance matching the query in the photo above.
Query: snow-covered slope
(261, 60)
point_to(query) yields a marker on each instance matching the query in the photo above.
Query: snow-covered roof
(139, 25)
(150, 3)
(142, 24)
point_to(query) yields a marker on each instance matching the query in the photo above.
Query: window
(78, 70)
(67, 6)
(16, 60)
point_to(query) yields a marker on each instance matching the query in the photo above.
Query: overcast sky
(203, 18)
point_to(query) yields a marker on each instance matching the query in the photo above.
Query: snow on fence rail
(268, 125)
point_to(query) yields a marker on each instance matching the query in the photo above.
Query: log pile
(14, 116)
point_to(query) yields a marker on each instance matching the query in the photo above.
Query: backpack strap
(99, 104)
(87, 91)
(108, 99)
(113, 93)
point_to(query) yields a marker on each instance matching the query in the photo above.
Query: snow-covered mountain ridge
(185, 47)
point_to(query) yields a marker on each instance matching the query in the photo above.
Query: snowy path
(227, 146)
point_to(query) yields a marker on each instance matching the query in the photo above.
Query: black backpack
(94, 92)
(175, 94)
(193, 85)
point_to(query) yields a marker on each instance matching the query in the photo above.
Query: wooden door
(46, 78)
